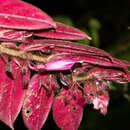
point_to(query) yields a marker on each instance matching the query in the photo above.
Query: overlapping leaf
(37, 103)
(15, 35)
(25, 72)
(109, 74)
(88, 54)
(18, 22)
(100, 102)
(69, 116)
(17, 14)
(96, 94)
(63, 32)
(71, 47)
(11, 92)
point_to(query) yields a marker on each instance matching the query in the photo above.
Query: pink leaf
(11, 93)
(37, 104)
(73, 48)
(67, 115)
(63, 32)
(109, 74)
(88, 54)
(25, 72)
(15, 35)
(97, 95)
(17, 14)
(101, 102)
(3, 2)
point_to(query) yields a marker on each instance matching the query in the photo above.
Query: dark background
(108, 22)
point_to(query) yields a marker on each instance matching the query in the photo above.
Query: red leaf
(63, 32)
(73, 48)
(15, 35)
(109, 74)
(3, 2)
(97, 95)
(67, 115)
(17, 14)
(37, 104)
(88, 54)
(25, 72)
(11, 93)
(101, 102)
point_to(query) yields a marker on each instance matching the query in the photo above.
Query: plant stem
(22, 54)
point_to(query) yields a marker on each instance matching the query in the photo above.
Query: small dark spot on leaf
(28, 111)
(91, 94)
(74, 108)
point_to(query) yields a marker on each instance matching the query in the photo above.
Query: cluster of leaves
(40, 74)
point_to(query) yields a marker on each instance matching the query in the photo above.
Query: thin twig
(23, 54)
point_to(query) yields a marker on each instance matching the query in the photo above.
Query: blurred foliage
(63, 19)
(94, 27)
(108, 24)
